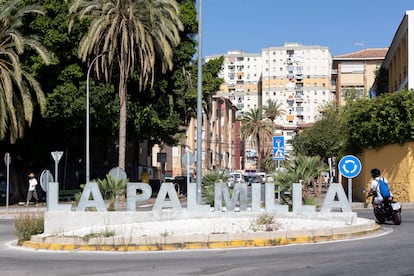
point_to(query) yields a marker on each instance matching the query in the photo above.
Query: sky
(344, 26)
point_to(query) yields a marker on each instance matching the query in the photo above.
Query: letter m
(222, 191)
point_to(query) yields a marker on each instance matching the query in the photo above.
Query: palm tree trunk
(258, 154)
(122, 120)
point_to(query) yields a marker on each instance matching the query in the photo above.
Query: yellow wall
(398, 68)
(395, 163)
(352, 79)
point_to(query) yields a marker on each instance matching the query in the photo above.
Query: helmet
(375, 173)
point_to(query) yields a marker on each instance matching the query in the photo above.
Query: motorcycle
(388, 210)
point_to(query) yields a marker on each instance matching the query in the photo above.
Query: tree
(383, 120)
(273, 109)
(139, 35)
(256, 130)
(19, 90)
(324, 138)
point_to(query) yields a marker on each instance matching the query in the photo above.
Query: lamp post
(87, 116)
(199, 102)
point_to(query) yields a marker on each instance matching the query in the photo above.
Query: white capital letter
(336, 190)
(133, 198)
(97, 201)
(52, 198)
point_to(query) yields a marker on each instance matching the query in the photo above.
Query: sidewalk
(13, 211)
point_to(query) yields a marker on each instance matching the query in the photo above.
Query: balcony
(299, 77)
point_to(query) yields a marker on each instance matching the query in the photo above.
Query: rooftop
(370, 53)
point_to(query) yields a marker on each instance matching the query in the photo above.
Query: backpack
(383, 188)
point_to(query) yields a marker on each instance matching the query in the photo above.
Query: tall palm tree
(273, 109)
(139, 35)
(256, 130)
(19, 91)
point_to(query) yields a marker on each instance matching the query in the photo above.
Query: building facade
(399, 61)
(353, 74)
(297, 76)
(220, 143)
(242, 76)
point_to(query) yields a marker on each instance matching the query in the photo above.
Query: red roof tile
(369, 53)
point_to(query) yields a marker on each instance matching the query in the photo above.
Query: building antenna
(360, 44)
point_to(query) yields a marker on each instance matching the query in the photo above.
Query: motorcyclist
(375, 189)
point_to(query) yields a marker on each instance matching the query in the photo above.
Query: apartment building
(296, 75)
(354, 73)
(299, 77)
(399, 61)
(220, 143)
(242, 75)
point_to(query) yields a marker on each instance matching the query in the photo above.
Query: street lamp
(87, 116)
(199, 102)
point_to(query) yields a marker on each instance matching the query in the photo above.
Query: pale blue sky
(341, 25)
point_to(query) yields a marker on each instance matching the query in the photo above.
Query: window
(352, 67)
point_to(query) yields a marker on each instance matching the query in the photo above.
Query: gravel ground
(216, 225)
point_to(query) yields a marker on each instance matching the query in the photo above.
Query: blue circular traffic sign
(349, 166)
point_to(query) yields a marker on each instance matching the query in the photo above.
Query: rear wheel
(396, 218)
(379, 216)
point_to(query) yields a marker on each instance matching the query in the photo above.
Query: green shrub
(209, 179)
(27, 225)
(110, 188)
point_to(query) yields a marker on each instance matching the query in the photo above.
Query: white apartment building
(242, 75)
(296, 75)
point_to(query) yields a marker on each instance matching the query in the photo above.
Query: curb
(214, 241)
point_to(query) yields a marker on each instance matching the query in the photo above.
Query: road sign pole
(349, 166)
(7, 160)
(188, 170)
(350, 190)
(56, 156)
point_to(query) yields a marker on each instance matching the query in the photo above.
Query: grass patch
(263, 222)
(26, 225)
(105, 234)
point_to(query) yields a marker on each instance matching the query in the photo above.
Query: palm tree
(256, 130)
(139, 36)
(302, 168)
(19, 91)
(273, 109)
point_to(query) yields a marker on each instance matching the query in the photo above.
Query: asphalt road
(389, 254)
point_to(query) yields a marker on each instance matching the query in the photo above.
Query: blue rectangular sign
(278, 148)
